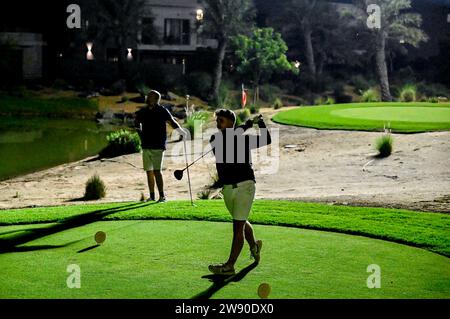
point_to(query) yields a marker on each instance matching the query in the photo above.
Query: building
(176, 36)
(27, 51)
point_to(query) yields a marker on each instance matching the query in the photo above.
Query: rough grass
(403, 117)
(430, 231)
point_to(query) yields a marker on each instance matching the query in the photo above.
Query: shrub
(204, 194)
(225, 97)
(319, 101)
(434, 89)
(142, 89)
(330, 101)
(121, 142)
(277, 103)
(360, 83)
(433, 99)
(124, 99)
(242, 116)
(95, 188)
(118, 87)
(269, 92)
(199, 117)
(199, 84)
(253, 108)
(408, 93)
(384, 145)
(370, 95)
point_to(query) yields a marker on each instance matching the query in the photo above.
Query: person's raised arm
(176, 126)
(262, 139)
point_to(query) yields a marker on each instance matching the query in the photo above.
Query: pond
(31, 144)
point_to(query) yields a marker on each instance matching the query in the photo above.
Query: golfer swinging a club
(150, 123)
(232, 150)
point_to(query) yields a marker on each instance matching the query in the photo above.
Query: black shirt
(154, 134)
(232, 150)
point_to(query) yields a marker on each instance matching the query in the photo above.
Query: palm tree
(223, 20)
(397, 26)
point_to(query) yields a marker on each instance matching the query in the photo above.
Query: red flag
(244, 97)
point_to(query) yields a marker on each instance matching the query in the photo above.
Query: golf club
(179, 173)
(187, 168)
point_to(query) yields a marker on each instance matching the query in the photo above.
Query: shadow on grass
(88, 248)
(220, 281)
(11, 244)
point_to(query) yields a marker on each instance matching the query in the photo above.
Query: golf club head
(178, 174)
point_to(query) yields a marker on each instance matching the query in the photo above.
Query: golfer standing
(150, 123)
(232, 150)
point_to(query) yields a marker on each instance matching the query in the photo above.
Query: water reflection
(28, 145)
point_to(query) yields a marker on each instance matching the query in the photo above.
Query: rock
(171, 96)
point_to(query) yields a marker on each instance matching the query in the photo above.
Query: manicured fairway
(402, 117)
(167, 259)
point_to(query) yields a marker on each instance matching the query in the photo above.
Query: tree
(224, 19)
(261, 54)
(313, 21)
(116, 21)
(397, 26)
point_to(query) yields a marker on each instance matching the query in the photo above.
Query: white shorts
(239, 199)
(153, 159)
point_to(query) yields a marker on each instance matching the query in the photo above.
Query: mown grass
(402, 117)
(430, 231)
(169, 259)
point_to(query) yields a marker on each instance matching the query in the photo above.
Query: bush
(269, 92)
(253, 108)
(242, 116)
(199, 84)
(384, 145)
(225, 98)
(117, 87)
(121, 142)
(142, 89)
(277, 103)
(360, 83)
(124, 99)
(196, 117)
(95, 188)
(433, 99)
(330, 101)
(408, 93)
(370, 95)
(204, 194)
(432, 90)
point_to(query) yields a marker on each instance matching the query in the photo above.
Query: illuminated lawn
(147, 256)
(402, 117)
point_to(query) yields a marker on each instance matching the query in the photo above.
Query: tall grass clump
(384, 145)
(408, 93)
(242, 116)
(95, 188)
(121, 142)
(370, 95)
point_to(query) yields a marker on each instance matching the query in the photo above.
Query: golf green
(167, 259)
(401, 117)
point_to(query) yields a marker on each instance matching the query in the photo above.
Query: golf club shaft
(203, 155)
(187, 168)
